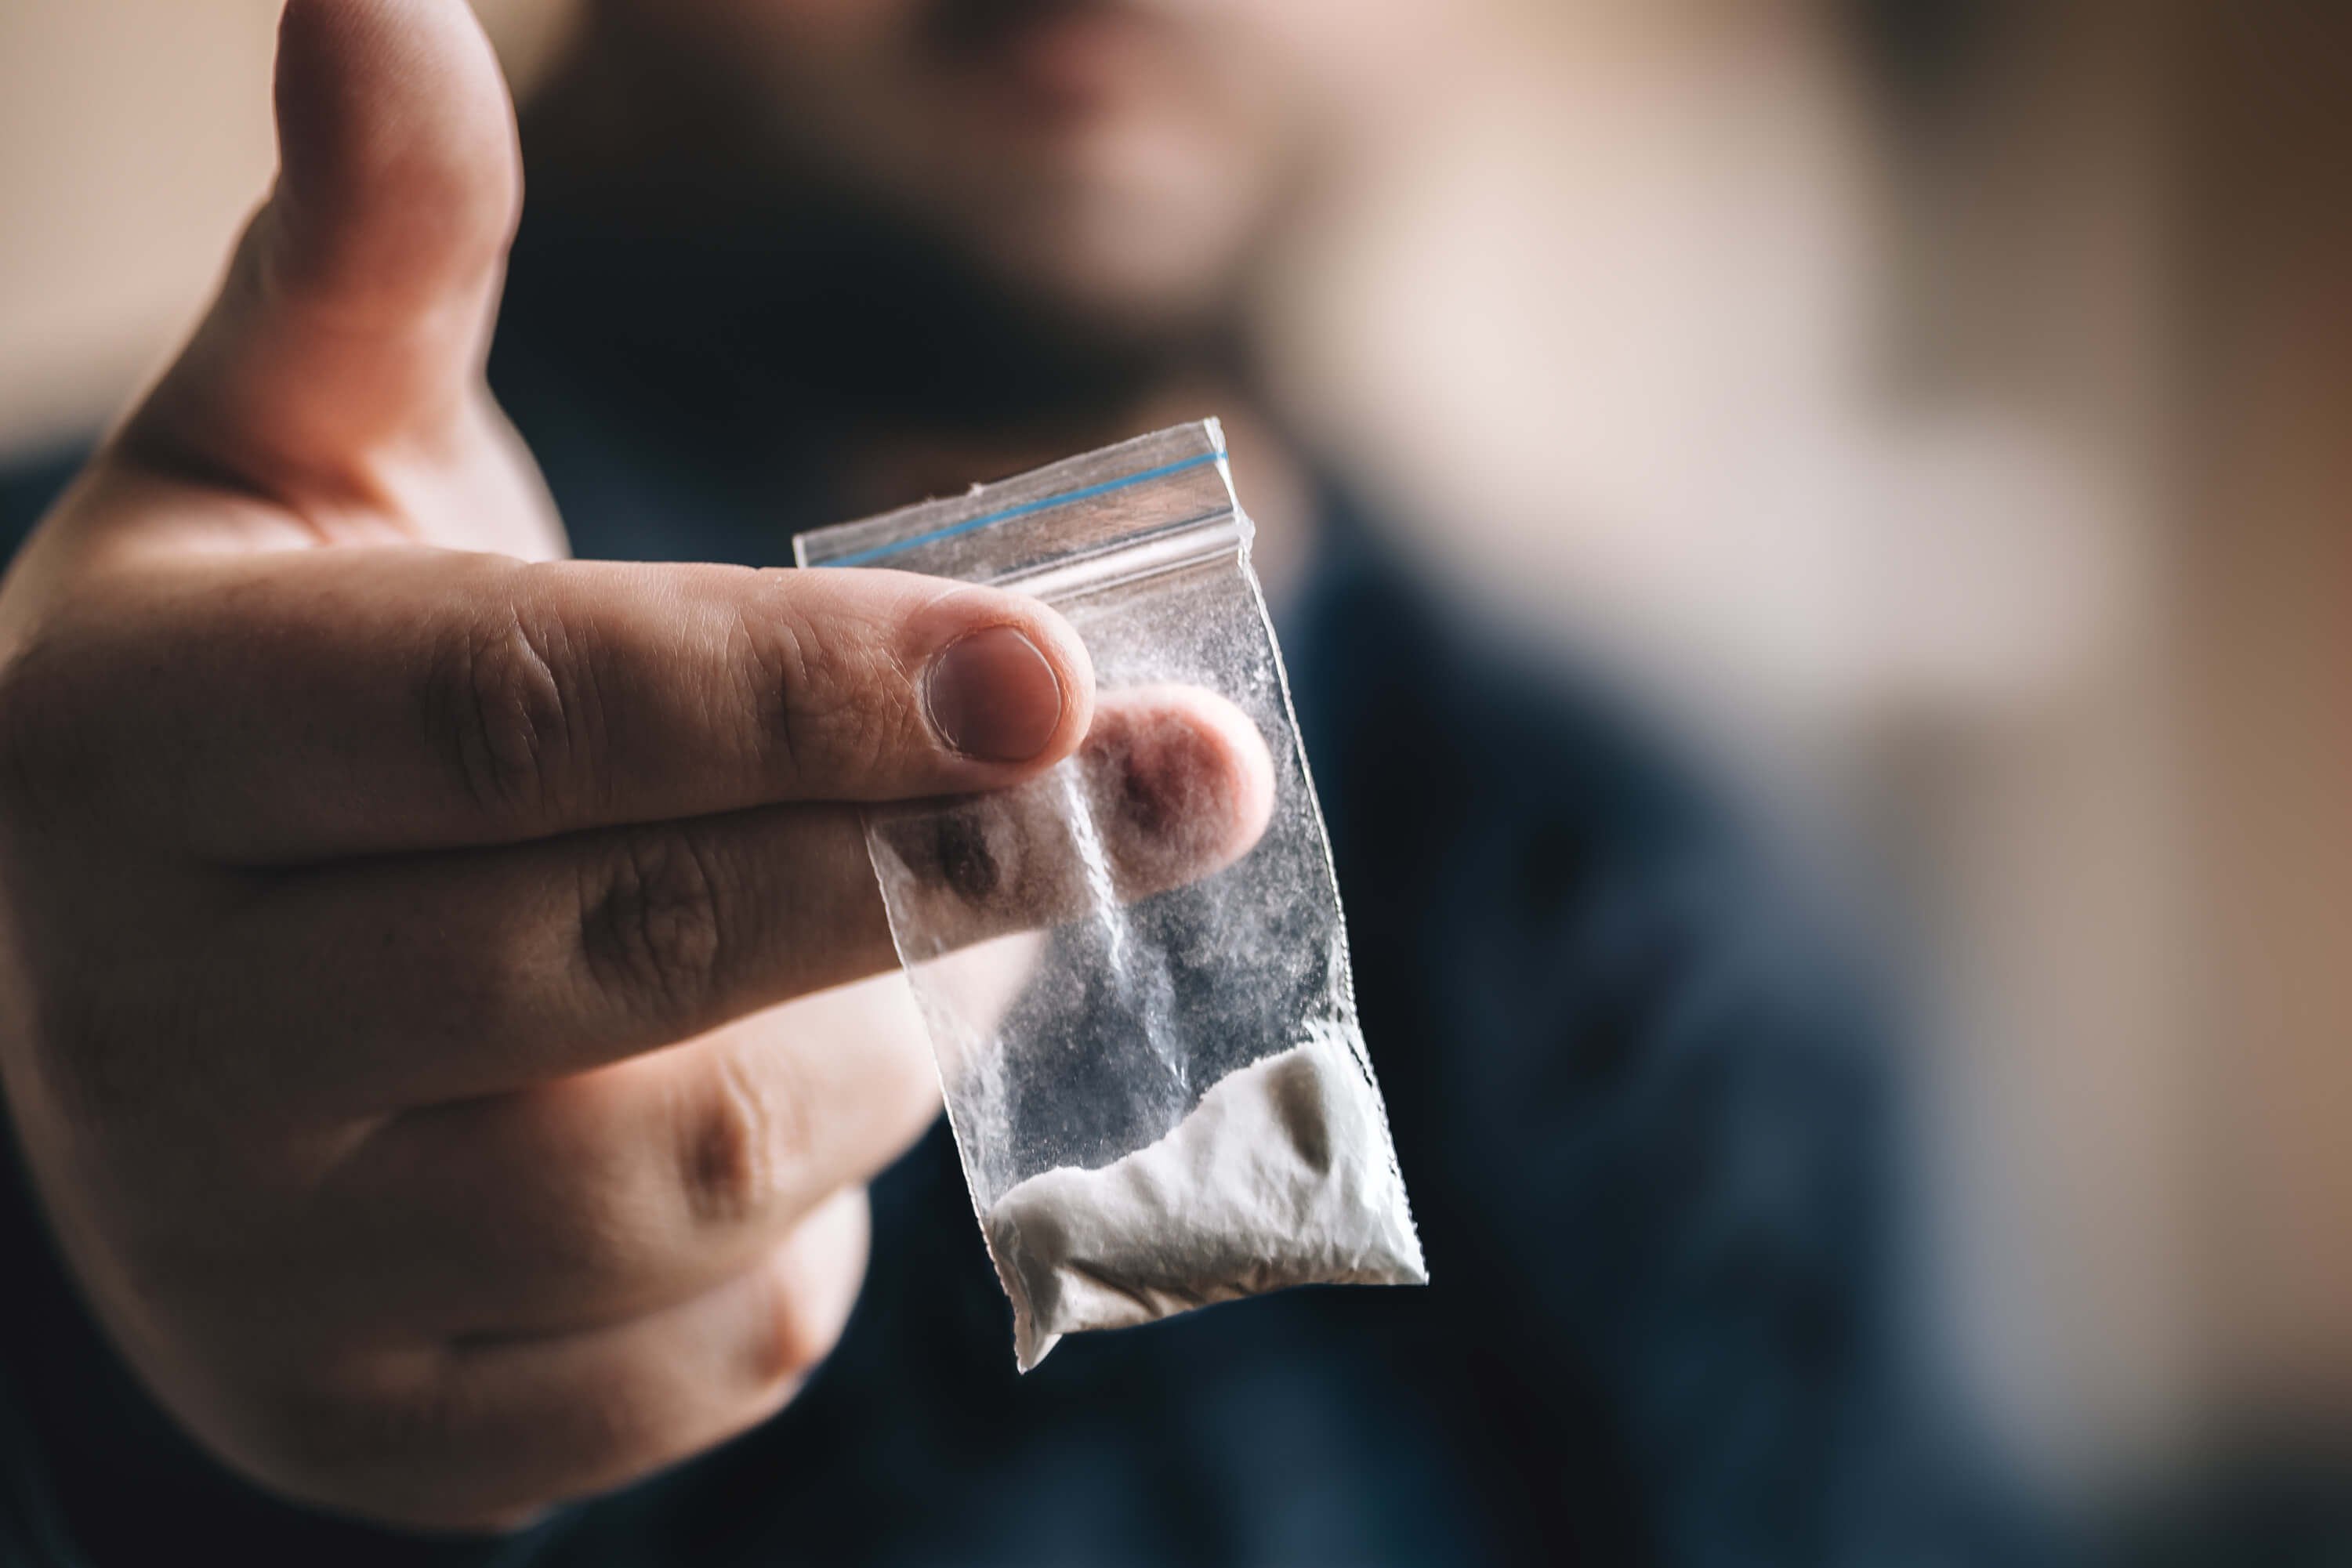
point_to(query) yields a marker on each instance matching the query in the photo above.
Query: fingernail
(992, 696)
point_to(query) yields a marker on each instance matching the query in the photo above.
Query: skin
(425, 961)
(1113, 161)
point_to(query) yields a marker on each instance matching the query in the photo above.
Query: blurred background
(1947, 403)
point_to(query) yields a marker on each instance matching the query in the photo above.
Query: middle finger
(573, 1205)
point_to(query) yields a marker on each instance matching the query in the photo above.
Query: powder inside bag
(1282, 1176)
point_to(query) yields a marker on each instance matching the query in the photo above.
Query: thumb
(356, 312)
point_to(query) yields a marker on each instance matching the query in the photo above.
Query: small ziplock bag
(1156, 1079)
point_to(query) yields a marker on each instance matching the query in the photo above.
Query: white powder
(1281, 1176)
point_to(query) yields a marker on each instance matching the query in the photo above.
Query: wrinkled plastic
(1160, 1093)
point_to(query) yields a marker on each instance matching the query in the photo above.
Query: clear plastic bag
(1156, 1079)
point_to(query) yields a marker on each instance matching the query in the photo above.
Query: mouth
(1055, 56)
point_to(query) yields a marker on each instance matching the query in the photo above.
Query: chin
(1152, 246)
(1111, 291)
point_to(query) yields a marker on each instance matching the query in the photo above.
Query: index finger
(308, 706)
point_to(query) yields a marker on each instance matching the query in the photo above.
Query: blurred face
(1112, 158)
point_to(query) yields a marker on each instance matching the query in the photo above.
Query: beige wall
(134, 137)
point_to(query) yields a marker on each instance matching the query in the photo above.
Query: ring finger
(621, 1191)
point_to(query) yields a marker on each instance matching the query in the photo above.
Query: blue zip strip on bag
(867, 557)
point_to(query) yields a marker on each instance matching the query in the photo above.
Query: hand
(409, 938)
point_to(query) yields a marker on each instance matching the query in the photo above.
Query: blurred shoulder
(1437, 731)
(1583, 911)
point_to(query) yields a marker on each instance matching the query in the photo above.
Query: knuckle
(813, 1285)
(803, 681)
(799, 1329)
(743, 1140)
(769, 656)
(840, 703)
(652, 926)
(513, 709)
